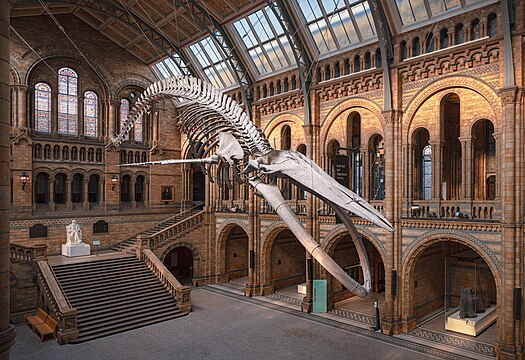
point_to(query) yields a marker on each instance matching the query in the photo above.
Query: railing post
(142, 243)
(40, 252)
(68, 326)
(184, 298)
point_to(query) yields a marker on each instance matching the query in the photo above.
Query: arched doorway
(125, 189)
(445, 275)
(288, 264)
(179, 261)
(345, 254)
(237, 254)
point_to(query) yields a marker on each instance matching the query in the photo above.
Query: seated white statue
(74, 234)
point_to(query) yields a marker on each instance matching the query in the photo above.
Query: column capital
(392, 116)
(19, 87)
(509, 95)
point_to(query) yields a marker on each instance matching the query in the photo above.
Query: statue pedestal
(471, 326)
(72, 250)
(301, 289)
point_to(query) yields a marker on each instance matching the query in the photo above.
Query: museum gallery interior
(360, 159)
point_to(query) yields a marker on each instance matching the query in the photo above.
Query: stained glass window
(42, 108)
(427, 172)
(137, 129)
(124, 111)
(90, 114)
(67, 102)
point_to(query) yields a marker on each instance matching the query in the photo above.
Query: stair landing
(55, 260)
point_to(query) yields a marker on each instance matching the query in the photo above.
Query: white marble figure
(74, 245)
(74, 234)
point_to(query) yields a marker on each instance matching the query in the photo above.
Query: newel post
(184, 298)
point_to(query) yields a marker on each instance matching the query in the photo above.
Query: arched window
(144, 157)
(327, 73)
(60, 189)
(67, 102)
(443, 38)
(474, 30)
(42, 108)
(65, 153)
(346, 67)
(459, 36)
(138, 131)
(492, 24)
(286, 138)
(93, 188)
(416, 47)
(403, 50)
(90, 114)
(427, 172)
(379, 60)
(124, 111)
(74, 153)
(484, 160)
(42, 188)
(357, 63)
(125, 189)
(353, 140)
(286, 85)
(139, 189)
(47, 152)
(99, 155)
(429, 43)
(368, 61)
(37, 152)
(56, 152)
(337, 70)
(294, 82)
(76, 188)
(377, 176)
(279, 87)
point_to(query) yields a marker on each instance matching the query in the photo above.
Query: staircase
(114, 295)
(129, 245)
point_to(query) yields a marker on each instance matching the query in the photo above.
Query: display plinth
(301, 289)
(471, 326)
(72, 250)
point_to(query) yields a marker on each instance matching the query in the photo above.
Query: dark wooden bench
(47, 328)
(38, 319)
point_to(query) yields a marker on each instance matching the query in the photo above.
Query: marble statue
(74, 234)
(221, 133)
(74, 245)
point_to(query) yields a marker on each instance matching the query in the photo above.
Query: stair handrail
(165, 220)
(58, 302)
(154, 240)
(178, 291)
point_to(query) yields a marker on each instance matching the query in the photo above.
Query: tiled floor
(220, 328)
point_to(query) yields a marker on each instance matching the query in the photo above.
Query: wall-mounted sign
(319, 295)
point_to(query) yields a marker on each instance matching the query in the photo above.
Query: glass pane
(138, 130)
(124, 111)
(364, 20)
(310, 9)
(90, 114)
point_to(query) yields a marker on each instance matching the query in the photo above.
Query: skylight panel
(212, 61)
(337, 24)
(265, 41)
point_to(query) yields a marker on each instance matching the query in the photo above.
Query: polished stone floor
(220, 327)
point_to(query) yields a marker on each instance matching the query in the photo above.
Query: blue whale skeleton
(221, 133)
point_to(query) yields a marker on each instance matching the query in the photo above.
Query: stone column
(132, 192)
(146, 193)
(155, 136)
(510, 330)
(22, 106)
(393, 261)
(249, 290)
(85, 193)
(366, 175)
(112, 104)
(52, 194)
(101, 191)
(69, 191)
(436, 170)
(7, 331)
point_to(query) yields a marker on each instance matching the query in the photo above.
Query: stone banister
(27, 254)
(56, 303)
(181, 293)
(157, 239)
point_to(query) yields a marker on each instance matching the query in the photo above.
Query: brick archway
(411, 256)
(224, 231)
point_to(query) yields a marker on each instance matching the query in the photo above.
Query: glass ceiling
(212, 62)
(166, 68)
(265, 41)
(412, 11)
(337, 24)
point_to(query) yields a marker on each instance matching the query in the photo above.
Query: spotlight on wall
(114, 180)
(24, 179)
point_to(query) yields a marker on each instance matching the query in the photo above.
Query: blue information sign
(319, 292)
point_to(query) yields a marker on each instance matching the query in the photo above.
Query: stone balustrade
(157, 239)
(56, 303)
(180, 292)
(27, 254)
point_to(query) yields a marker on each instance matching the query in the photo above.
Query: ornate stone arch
(130, 79)
(197, 271)
(333, 237)
(414, 250)
(15, 75)
(282, 119)
(222, 235)
(344, 105)
(451, 82)
(268, 240)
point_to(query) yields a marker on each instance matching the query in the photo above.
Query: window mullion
(328, 25)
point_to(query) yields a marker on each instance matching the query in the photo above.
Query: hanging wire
(61, 28)
(33, 50)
